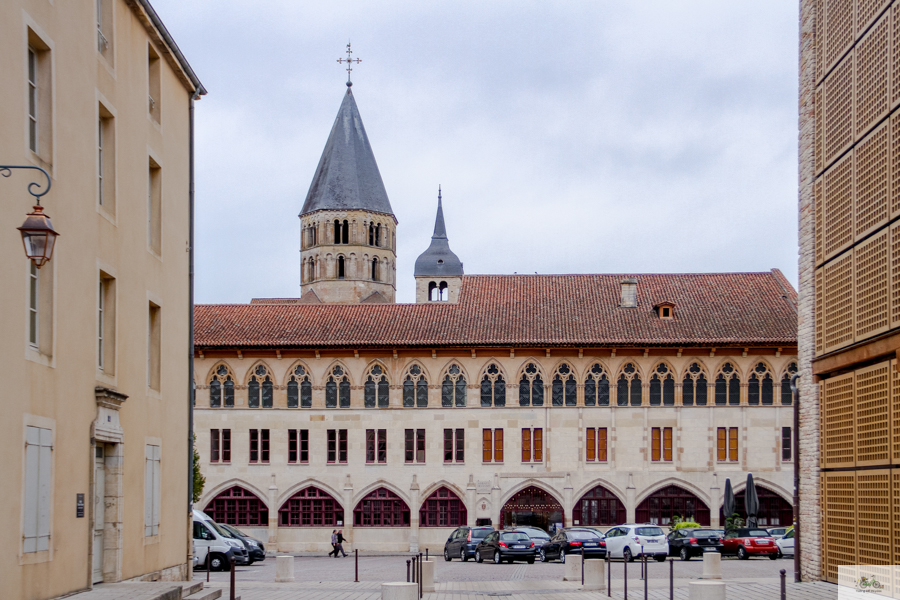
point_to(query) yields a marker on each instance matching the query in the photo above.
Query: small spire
(440, 230)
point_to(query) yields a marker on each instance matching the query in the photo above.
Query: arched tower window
(728, 386)
(531, 387)
(375, 269)
(310, 507)
(596, 387)
(453, 388)
(444, 291)
(340, 267)
(694, 386)
(787, 396)
(260, 381)
(299, 389)
(629, 386)
(760, 386)
(221, 387)
(662, 386)
(337, 389)
(376, 388)
(442, 508)
(415, 388)
(378, 235)
(493, 387)
(564, 388)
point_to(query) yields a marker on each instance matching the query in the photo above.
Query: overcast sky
(568, 137)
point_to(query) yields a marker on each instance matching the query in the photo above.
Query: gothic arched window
(629, 386)
(260, 381)
(728, 386)
(221, 384)
(564, 390)
(694, 386)
(760, 386)
(787, 397)
(337, 389)
(596, 387)
(299, 389)
(531, 387)
(493, 387)
(453, 388)
(415, 388)
(662, 387)
(376, 388)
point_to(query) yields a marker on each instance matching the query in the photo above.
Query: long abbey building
(493, 399)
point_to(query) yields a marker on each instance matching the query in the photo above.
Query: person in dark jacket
(339, 547)
(334, 549)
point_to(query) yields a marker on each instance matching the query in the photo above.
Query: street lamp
(38, 235)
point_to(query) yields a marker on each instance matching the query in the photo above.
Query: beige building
(96, 342)
(849, 303)
(546, 399)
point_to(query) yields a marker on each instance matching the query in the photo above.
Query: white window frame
(37, 491)
(34, 307)
(33, 99)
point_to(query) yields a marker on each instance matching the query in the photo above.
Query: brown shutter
(498, 445)
(487, 444)
(526, 445)
(601, 444)
(721, 445)
(655, 442)
(667, 443)
(733, 444)
(538, 445)
(591, 445)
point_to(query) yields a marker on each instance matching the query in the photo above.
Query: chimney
(629, 293)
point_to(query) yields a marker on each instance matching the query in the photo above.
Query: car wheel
(543, 555)
(447, 556)
(626, 554)
(250, 562)
(217, 563)
(684, 554)
(478, 556)
(562, 556)
(530, 561)
(742, 554)
(659, 558)
(780, 554)
(462, 555)
(497, 559)
(774, 556)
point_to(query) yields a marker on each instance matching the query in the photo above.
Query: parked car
(462, 542)
(636, 539)
(256, 551)
(745, 541)
(786, 544)
(214, 544)
(506, 545)
(537, 535)
(573, 541)
(777, 532)
(690, 542)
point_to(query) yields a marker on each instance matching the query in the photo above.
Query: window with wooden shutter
(655, 444)
(733, 444)
(601, 444)
(487, 445)
(526, 445)
(667, 444)
(151, 490)
(38, 489)
(591, 445)
(498, 445)
(537, 437)
(721, 444)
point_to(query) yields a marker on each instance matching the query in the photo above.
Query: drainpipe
(795, 392)
(191, 390)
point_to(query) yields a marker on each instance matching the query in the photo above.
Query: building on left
(96, 342)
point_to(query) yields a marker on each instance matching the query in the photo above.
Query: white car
(777, 532)
(786, 544)
(637, 539)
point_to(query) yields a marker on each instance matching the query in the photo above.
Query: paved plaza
(323, 578)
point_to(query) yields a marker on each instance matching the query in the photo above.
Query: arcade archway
(670, 501)
(599, 506)
(533, 507)
(773, 509)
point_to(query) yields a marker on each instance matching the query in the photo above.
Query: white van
(211, 541)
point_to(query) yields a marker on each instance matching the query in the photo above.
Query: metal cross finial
(439, 192)
(349, 60)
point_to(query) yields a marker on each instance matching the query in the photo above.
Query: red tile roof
(517, 310)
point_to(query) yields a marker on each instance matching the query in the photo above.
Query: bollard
(625, 562)
(356, 565)
(671, 579)
(608, 575)
(232, 578)
(407, 571)
(420, 575)
(426, 553)
(414, 569)
(643, 562)
(646, 574)
(582, 566)
(783, 590)
(284, 569)
(207, 563)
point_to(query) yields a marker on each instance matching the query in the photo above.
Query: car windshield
(515, 536)
(704, 533)
(758, 533)
(581, 535)
(648, 531)
(222, 531)
(480, 533)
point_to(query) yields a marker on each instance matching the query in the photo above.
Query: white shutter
(44, 490)
(38, 489)
(155, 490)
(148, 491)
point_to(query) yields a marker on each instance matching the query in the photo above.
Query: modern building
(541, 399)
(849, 301)
(96, 342)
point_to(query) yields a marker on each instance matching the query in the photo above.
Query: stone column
(470, 501)
(630, 497)
(716, 499)
(348, 510)
(568, 502)
(273, 513)
(414, 515)
(495, 502)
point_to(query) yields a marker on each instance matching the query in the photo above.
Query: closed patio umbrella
(729, 504)
(751, 502)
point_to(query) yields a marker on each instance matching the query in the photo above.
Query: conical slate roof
(347, 176)
(439, 260)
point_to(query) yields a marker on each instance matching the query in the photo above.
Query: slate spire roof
(347, 176)
(439, 260)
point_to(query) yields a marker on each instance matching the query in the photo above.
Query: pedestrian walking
(334, 544)
(339, 547)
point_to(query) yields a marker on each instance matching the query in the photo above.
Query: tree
(199, 479)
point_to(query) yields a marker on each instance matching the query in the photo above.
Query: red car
(746, 542)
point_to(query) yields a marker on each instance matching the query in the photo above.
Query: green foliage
(684, 524)
(679, 522)
(199, 479)
(733, 523)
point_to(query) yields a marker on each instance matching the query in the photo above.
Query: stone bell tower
(438, 271)
(348, 242)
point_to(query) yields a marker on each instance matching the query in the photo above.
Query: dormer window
(665, 310)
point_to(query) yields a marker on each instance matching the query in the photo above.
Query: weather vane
(349, 60)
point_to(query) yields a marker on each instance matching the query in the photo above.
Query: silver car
(637, 539)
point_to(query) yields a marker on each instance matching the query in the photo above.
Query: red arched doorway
(533, 507)
(773, 509)
(599, 506)
(671, 501)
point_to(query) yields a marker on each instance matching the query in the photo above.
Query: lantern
(38, 236)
